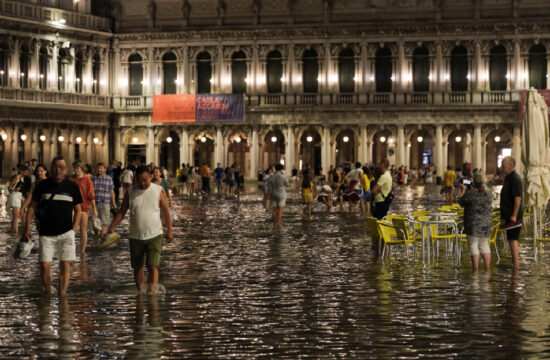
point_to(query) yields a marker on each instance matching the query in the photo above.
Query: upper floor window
(204, 73)
(538, 67)
(238, 72)
(24, 66)
(3, 65)
(274, 68)
(43, 68)
(498, 68)
(170, 73)
(421, 69)
(96, 69)
(383, 68)
(310, 71)
(346, 70)
(459, 69)
(136, 75)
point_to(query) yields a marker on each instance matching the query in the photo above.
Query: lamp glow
(458, 139)
(42, 137)
(382, 139)
(309, 139)
(497, 138)
(420, 139)
(95, 140)
(61, 138)
(23, 137)
(346, 139)
(169, 140)
(4, 137)
(203, 139)
(238, 139)
(135, 140)
(78, 140)
(273, 139)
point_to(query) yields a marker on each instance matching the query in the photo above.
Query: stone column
(89, 146)
(70, 79)
(400, 153)
(516, 149)
(104, 70)
(477, 147)
(117, 69)
(87, 77)
(369, 151)
(440, 72)
(438, 151)
(363, 151)
(289, 150)
(363, 72)
(254, 155)
(516, 66)
(408, 155)
(53, 143)
(118, 145)
(401, 68)
(14, 72)
(325, 150)
(33, 74)
(184, 146)
(70, 142)
(53, 75)
(219, 150)
(150, 149)
(479, 83)
(445, 156)
(291, 70)
(149, 73)
(466, 148)
(105, 147)
(15, 146)
(34, 143)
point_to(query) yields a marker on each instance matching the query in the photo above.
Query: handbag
(388, 199)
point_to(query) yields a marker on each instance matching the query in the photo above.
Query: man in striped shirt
(104, 197)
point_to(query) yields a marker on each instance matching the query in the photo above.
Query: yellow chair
(387, 239)
(372, 226)
(493, 237)
(404, 232)
(437, 235)
(421, 213)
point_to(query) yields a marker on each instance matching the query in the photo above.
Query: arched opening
(346, 149)
(459, 69)
(96, 68)
(78, 69)
(310, 150)
(497, 68)
(273, 148)
(538, 67)
(383, 70)
(498, 146)
(380, 145)
(204, 73)
(421, 69)
(169, 73)
(24, 66)
(346, 70)
(421, 150)
(204, 151)
(238, 153)
(238, 72)
(136, 75)
(62, 64)
(169, 152)
(136, 151)
(457, 144)
(3, 65)
(310, 70)
(274, 69)
(43, 68)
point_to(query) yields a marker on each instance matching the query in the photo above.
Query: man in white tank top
(146, 202)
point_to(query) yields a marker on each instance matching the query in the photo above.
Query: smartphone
(467, 181)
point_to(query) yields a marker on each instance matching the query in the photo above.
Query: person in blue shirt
(218, 171)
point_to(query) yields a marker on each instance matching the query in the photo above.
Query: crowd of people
(60, 205)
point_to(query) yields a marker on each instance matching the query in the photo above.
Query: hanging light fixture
(42, 137)
(23, 137)
(309, 139)
(61, 138)
(458, 139)
(273, 139)
(169, 140)
(135, 140)
(497, 138)
(79, 140)
(346, 139)
(238, 139)
(382, 139)
(420, 139)
(95, 140)
(203, 139)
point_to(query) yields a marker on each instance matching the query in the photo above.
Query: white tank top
(145, 212)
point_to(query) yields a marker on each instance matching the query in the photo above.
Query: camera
(467, 181)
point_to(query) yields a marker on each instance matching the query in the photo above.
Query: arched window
(78, 70)
(346, 70)
(421, 69)
(43, 68)
(204, 73)
(3, 65)
(24, 65)
(310, 71)
(383, 70)
(96, 69)
(538, 67)
(136, 75)
(497, 68)
(459, 69)
(274, 66)
(62, 63)
(170, 73)
(238, 72)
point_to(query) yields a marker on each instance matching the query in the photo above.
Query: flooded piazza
(236, 288)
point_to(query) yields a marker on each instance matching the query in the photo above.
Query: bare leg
(139, 277)
(64, 276)
(280, 217)
(83, 232)
(475, 263)
(152, 278)
(274, 216)
(46, 275)
(15, 221)
(514, 250)
(487, 261)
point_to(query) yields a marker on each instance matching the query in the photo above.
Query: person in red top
(88, 201)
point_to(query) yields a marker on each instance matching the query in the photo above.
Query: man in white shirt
(381, 190)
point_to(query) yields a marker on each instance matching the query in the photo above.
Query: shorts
(145, 252)
(232, 183)
(14, 199)
(478, 244)
(104, 213)
(277, 204)
(367, 196)
(59, 246)
(448, 189)
(307, 196)
(513, 234)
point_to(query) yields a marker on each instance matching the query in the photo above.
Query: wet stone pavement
(238, 289)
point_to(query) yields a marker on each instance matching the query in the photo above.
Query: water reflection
(238, 289)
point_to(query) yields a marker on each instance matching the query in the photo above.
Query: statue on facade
(186, 11)
(221, 11)
(151, 12)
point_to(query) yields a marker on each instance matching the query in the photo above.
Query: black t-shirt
(512, 188)
(23, 185)
(58, 217)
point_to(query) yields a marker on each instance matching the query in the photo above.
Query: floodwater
(238, 289)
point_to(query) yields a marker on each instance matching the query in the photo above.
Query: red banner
(523, 96)
(173, 108)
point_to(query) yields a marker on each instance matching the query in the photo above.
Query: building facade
(324, 81)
